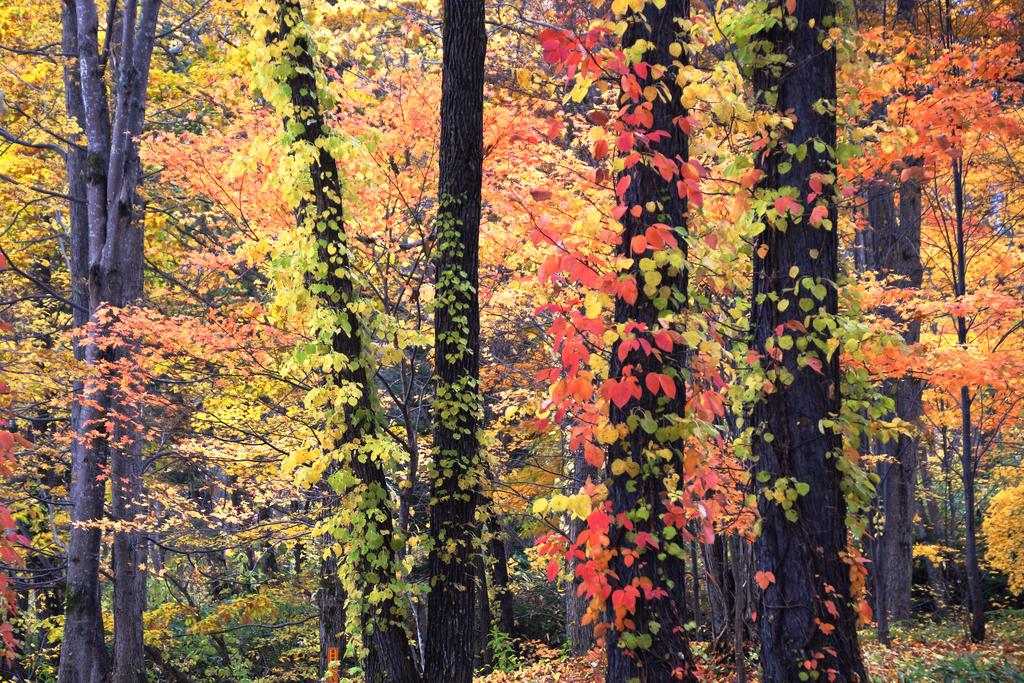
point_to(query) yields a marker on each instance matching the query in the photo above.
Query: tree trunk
(655, 648)
(741, 578)
(457, 472)
(579, 635)
(900, 257)
(83, 653)
(803, 550)
(111, 170)
(894, 253)
(500, 579)
(330, 604)
(321, 211)
(127, 508)
(975, 599)
(933, 533)
(719, 582)
(484, 655)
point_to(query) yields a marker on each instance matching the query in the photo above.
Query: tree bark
(975, 598)
(666, 655)
(322, 211)
(739, 553)
(111, 169)
(898, 257)
(579, 635)
(330, 605)
(719, 583)
(457, 472)
(933, 532)
(83, 653)
(811, 581)
(892, 249)
(502, 587)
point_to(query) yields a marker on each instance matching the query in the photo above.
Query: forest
(441, 341)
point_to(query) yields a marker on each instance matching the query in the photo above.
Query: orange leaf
(750, 178)
(764, 579)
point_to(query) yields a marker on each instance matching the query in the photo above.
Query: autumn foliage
(711, 310)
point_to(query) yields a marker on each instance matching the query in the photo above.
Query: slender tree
(968, 459)
(805, 611)
(457, 472)
(303, 103)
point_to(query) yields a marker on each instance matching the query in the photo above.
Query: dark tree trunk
(500, 579)
(892, 249)
(579, 635)
(975, 598)
(641, 487)
(905, 11)
(739, 553)
(83, 653)
(812, 585)
(484, 656)
(719, 583)
(898, 258)
(696, 613)
(322, 212)
(330, 603)
(933, 533)
(113, 254)
(456, 469)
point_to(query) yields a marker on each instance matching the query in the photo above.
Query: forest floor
(920, 652)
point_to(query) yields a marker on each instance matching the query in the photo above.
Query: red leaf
(665, 166)
(555, 128)
(623, 185)
(784, 204)
(628, 291)
(624, 142)
(668, 385)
